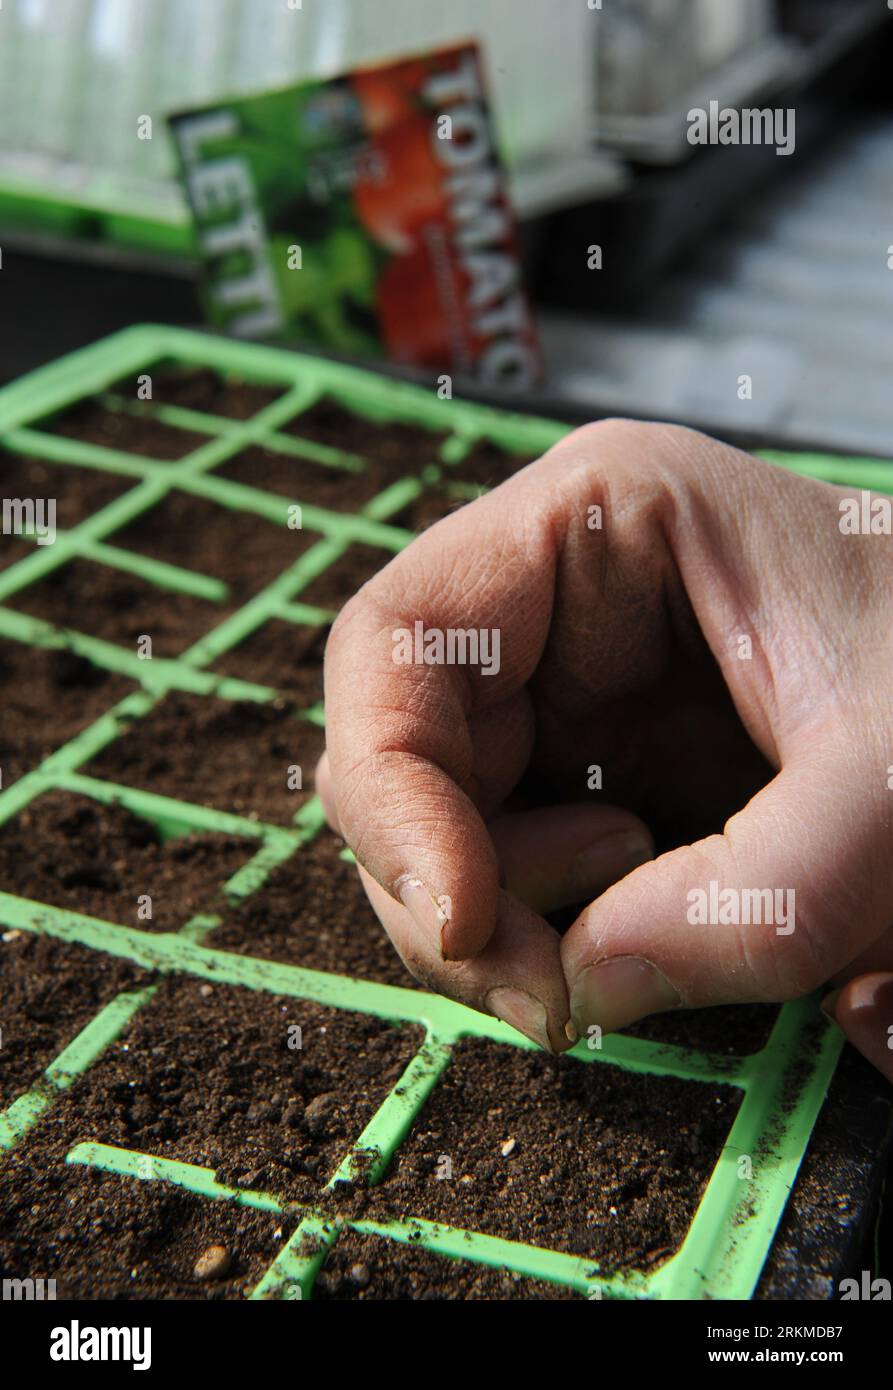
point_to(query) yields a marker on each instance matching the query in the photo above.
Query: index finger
(428, 723)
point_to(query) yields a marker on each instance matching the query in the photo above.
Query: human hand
(710, 641)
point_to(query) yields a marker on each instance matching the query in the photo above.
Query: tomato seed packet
(367, 215)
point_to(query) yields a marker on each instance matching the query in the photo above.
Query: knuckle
(789, 966)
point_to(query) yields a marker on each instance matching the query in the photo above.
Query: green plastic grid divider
(782, 1086)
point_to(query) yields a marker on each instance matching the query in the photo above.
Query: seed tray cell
(101, 859)
(48, 695)
(284, 655)
(231, 754)
(77, 492)
(70, 1130)
(116, 606)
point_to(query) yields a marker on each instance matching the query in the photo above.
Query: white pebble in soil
(213, 1263)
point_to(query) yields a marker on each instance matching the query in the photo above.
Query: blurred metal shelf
(794, 292)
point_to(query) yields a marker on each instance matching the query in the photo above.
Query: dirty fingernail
(522, 1011)
(423, 906)
(607, 860)
(618, 992)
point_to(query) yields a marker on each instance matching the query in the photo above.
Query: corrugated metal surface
(795, 292)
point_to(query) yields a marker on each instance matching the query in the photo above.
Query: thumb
(799, 882)
(864, 1010)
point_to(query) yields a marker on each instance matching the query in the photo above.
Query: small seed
(12, 935)
(508, 1147)
(213, 1263)
(206, 991)
(360, 1275)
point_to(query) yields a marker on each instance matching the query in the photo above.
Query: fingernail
(607, 860)
(424, 908)
(617, 992)
(522, 1011)
(871, 992)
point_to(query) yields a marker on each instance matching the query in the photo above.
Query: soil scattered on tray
(49, 991)
(313, 911)
(365, 1267)
(100, 860)
(205, 1074)
(247, 552)
(827, 1231)
(605, 1163)
(118, 607)
(233, 755)
(47, 697)
(287, 656)
(77, 492)
(93, 423)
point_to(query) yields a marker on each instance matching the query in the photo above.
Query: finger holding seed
(517, 977)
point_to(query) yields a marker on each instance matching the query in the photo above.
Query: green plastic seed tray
(102, 213)
(782, 1086)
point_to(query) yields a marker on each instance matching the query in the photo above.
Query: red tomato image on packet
(433, 193)
(406, 191)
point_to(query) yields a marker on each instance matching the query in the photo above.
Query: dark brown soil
(49, 991)
(734, 1031)
(205, 1074)
(78, 492)
(81, 855)
(374, 1269)
(232, 755)
(826, 1232)
(13, 549)
(246, 552)
(486, 465)
(91, 423)
(105, 1237)
(313, 911)
(396, 450)
(303, 480)
(606, 1164)
(341, 580)
(118, 607)
(203, 390)
(47, 697)
(284, 655)
(433, 505)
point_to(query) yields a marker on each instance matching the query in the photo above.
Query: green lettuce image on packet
(367, 215)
